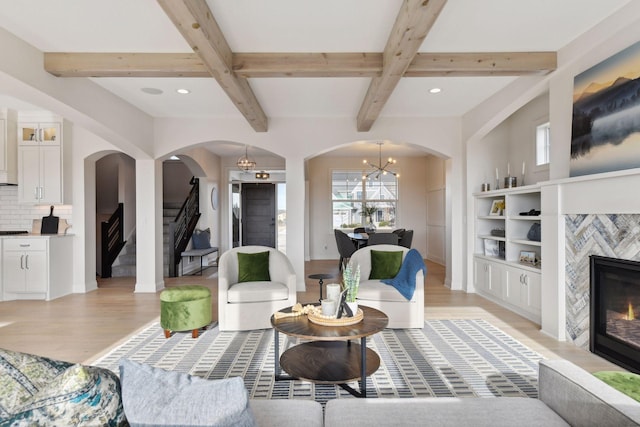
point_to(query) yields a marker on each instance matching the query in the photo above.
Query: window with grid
(351, 193)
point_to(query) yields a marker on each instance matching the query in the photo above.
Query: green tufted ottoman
(185, 308)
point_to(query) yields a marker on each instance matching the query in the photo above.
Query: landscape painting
(605, 133)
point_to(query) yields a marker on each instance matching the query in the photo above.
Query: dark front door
(259, 215)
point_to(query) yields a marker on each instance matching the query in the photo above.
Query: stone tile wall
(612, 235)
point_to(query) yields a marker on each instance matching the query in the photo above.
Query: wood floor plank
(78, 327)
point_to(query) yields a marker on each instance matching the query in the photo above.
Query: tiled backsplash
(19, 216)
(615, 236)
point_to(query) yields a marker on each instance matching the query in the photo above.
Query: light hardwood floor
(79, 327)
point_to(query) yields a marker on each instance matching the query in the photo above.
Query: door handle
(21, 262)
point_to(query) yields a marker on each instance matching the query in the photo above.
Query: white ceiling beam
(413, 23)
(194, 20)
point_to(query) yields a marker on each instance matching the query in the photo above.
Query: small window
(543, 142)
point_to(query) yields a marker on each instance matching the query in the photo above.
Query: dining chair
(346, 247)
(406, 239)
(359, 230)
(383, 239)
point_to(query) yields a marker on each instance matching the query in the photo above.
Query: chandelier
(380, 169)
(245, 163)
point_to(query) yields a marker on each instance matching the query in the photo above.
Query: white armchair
(249, 305)
(374, 293)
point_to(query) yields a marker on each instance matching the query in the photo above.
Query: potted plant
(351, 282)
(367, 211)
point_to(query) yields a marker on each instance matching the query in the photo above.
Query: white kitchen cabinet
(8, 147)
(40, 163)
(36, 267)
(39, 133)
(25, 266)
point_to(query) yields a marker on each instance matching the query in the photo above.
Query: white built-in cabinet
(40, 162)
(499, 274)
(8, 147)
(36, 267)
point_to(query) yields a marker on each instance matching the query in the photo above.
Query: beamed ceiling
(242, 43)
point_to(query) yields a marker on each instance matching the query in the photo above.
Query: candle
(522, 168)
(497, 177)
(333, 291)
(508, 169)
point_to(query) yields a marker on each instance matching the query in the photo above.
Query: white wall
(176, 178)
(436, 210)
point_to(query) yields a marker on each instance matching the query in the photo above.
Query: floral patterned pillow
(35, 390)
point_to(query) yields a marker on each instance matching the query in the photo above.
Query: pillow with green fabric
(625, 382)
(385, 265)
(253, 267)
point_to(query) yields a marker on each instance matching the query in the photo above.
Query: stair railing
(112, 239)
(181, 228)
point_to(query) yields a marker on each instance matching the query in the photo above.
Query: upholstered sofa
(568, 395)
(40, 391)
(402, 313)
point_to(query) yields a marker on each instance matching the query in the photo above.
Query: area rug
(455, 358)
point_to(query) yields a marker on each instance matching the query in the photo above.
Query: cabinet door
(496, 273)
(28, 134)
(13, 271)
(513, 293)
(532, 289)
(36, 275)
(49, 133)
(50, 174)
(29, 173)
(481, 275)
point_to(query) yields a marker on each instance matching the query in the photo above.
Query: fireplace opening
(615, 311)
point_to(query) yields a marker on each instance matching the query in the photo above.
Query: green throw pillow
(625, 382)
(253, 267)
(385, 265)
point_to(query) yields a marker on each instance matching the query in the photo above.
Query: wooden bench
(197, 253)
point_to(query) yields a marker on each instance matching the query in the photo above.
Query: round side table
(320, 277)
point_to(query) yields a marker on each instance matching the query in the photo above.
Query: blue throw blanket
(405, 280)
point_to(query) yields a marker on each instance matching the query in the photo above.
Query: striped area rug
(455, 358)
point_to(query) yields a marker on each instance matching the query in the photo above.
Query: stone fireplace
(615, 298)
(610, 235)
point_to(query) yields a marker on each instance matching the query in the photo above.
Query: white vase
(354, 307)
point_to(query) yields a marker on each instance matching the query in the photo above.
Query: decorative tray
(320, 319)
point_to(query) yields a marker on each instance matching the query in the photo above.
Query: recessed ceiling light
(151, 90)
(174, 158)
(435, 90)
(183, 91)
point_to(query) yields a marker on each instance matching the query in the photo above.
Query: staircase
(125, 265)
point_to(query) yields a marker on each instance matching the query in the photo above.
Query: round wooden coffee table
(329, 357)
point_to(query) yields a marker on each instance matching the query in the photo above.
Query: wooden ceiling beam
(413, 23)
(481, 64)
(67, 64)
(264, 65)
(196, 23)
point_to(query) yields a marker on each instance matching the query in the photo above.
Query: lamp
(262, 175)
(380, 168)
(245, 163)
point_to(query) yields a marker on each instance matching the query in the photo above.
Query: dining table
(360, 239)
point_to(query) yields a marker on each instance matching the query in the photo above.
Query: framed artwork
(497, 206)
(491, 248)
(605, 129)
(528, 257)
